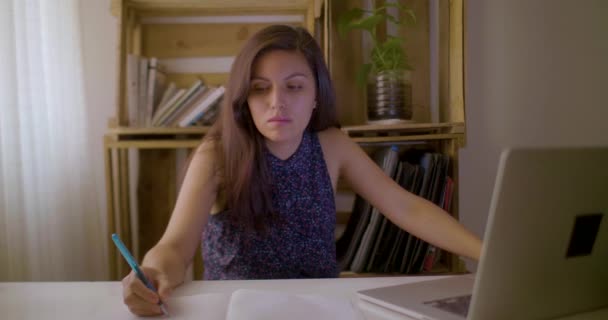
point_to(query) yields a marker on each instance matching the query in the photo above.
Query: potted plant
(389, 90)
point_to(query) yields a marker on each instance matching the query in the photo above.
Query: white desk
(72, 300)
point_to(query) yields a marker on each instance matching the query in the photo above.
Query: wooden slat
(463, 141)
(184, 80)
(196, 40)
(455, 126)
(125, 212)
(318, 7)
(326, 32)
(116, 7)
(156, 144)
(176, 144)
(110, 221)
(310, 19)
(445, 136)
(232, 5)
(456, 87)
(156, 130)
(444, 61)
(401, 127)
(175, 137)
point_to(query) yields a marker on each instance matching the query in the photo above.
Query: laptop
(545, 252)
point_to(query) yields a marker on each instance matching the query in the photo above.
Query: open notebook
(242, 304)
(245, 304)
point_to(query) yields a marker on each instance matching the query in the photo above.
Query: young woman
(259, 191)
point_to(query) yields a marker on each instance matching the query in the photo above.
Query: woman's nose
(277, 98)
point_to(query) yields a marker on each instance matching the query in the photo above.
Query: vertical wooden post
(456, 88)
(124, 216)
(111, 223)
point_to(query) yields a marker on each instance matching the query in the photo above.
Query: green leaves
(409, 12)
(387, 55)
(354, 19)
(363, 73)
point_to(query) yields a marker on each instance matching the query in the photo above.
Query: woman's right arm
(166, 263)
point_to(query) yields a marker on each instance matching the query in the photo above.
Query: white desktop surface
(103, 300)
(70, 300)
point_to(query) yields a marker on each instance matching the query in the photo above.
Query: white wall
(100, 44)
(536, 75)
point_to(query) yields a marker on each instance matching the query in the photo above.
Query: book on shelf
(152, 100)
(142, 95)
(209, 117)
(385, 236)
(184, 112)
(132, 93)
(167, 94)
(211, 99)
(169, 104)
(156, 84)
(186, 106)
(347, 246)
(181, 100)
(390, 160)
(371, 242)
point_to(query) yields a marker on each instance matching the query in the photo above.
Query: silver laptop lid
(546, 245)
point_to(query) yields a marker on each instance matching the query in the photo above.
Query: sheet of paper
(267, 305)
(208, 306)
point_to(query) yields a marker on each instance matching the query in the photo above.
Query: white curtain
(51, 224)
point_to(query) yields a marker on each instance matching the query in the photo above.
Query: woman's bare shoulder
(205, 162)
(336, 145)
(332, 136)
(207, 147)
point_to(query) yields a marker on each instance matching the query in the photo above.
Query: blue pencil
(131, 261)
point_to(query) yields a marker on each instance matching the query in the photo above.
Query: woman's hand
(141, 300)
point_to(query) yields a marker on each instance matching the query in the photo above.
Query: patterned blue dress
(303, 246)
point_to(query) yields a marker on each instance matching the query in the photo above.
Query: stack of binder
(372, 243)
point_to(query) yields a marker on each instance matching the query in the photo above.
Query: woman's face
(281, 95)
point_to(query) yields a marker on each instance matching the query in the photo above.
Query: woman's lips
(279, 119)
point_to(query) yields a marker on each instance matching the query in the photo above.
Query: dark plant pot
(389, 97)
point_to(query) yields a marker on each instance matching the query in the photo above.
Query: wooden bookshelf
(383, 133)
(188, 30)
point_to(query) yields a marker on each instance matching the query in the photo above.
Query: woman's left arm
(410, 212)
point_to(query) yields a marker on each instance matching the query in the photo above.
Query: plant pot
(389, 97)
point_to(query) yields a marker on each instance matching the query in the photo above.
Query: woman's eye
(294, 87)
(258, 89)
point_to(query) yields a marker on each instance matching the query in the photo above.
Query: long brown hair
(246, 181)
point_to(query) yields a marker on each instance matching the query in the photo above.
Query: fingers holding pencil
(140, 299)
(131, 294)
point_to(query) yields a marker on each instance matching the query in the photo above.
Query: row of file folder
(372, 243)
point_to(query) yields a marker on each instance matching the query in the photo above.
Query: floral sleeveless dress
(303, 246)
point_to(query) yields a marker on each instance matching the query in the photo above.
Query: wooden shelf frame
(448, 136)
